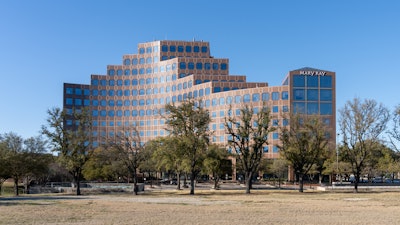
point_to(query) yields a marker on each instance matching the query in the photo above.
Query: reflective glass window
(204, 49)
(215, 66)
(95, 102)
(223, 66)
(312, 81)
(141, 61)
(111, 103)
(222, 101)
(298, 81)
(275, 109)
(265, 96)
(111, 82)
(103, 92)
(119, 92)
(285, 95)
(199, 66)
(275, 96)
(95, 92)
(111, 72)
(141, 50)
(95, 82)
(326, 94)
(325, 81)
(103, 82)
(127, 103)
(299, 107)
(134, 72)
(196, 49)
(141, 92)
(188, 48)
(164, 48)
(127, 82)
(148, 49)
(312, 95)
(111, 93)
(201, 92)
(207, 91)
(172, 48)
(119, 82)
(126, 92)
(134, 82)
(298, 94)
(134, 61)
(190, 65)
(182, 65)
(207, 66)
(127, 72)
(148, 60)
(148, 81)
(326, 108)
(246, 98)
(119, 72)
(111, 113)
(238, 99)
(119, 102)
(256, 97)
(180, 48)
(312, 108)
(68, 101)
(285, 108)
(217, 89)
(69, 91)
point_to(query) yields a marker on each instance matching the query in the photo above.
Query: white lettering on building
(312, 73)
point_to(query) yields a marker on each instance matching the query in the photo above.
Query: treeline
(305, 145)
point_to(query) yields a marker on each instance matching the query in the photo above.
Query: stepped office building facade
(134, 92)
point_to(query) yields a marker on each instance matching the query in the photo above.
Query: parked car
(377, 180)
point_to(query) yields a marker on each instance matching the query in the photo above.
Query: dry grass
(206, 207)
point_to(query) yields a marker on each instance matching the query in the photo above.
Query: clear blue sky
(46, 43)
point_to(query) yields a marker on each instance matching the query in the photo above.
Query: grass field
(206, 207)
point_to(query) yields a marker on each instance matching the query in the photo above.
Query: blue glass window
(134, 72)
(229, 100)
(238, 99)
(103, 92)
(172, 48)
(326, 81)
(119, 82)
(222, 101)
(207, 66)
(141, 50)
(256, 97)
(275, 96)
(111, 72)
(285, 95)
(119, 72)
(265, 96)
(217, 89)
(285, 108)
(148, 60)
(299, 107)
(275, 149)
(180, 48)
(68, 101)
(275, 135)
(223, 66)
(134, 82)
(95, 82)
(134, 61)
(127, 62)
(312, 95)
(196, 49)
(111, 93)
(103, 82)
(148, 49)
(326, 108)
(188, 48)
(127, 82)
(182, 65)
(204, 49)
(111, 103)
(275, 109)
(126, 92)
(111, 113)
(95, 102)
(298, 94)
(326, 94)
(298, 81)
(312, 108)
(111, 82)
(207, 91)
(215, 66)
(265, 149)
(246, 98)
(190, 65)
(164, 48)
(312, 81)
(199, 66)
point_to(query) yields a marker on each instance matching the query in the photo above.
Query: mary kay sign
(312, 73)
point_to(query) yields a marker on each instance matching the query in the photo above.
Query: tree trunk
(301, 183)
(16, 191)
(178, 181)
(192, 184)
(216, 180)
(135, 186)
(78, 184)
(248, 176)
(356, 180)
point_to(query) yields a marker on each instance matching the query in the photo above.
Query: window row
(187, 48)
(77, 102)
(312, 108)
(138, 61)
(76, 91)
(312, 94)
(201, 66)
(148, 50)
(134, 82)
(312, 81)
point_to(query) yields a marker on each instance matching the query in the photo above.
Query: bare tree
(303, 143)
(247, 135)
(361, 124)
(395, 131)
(72, 142)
